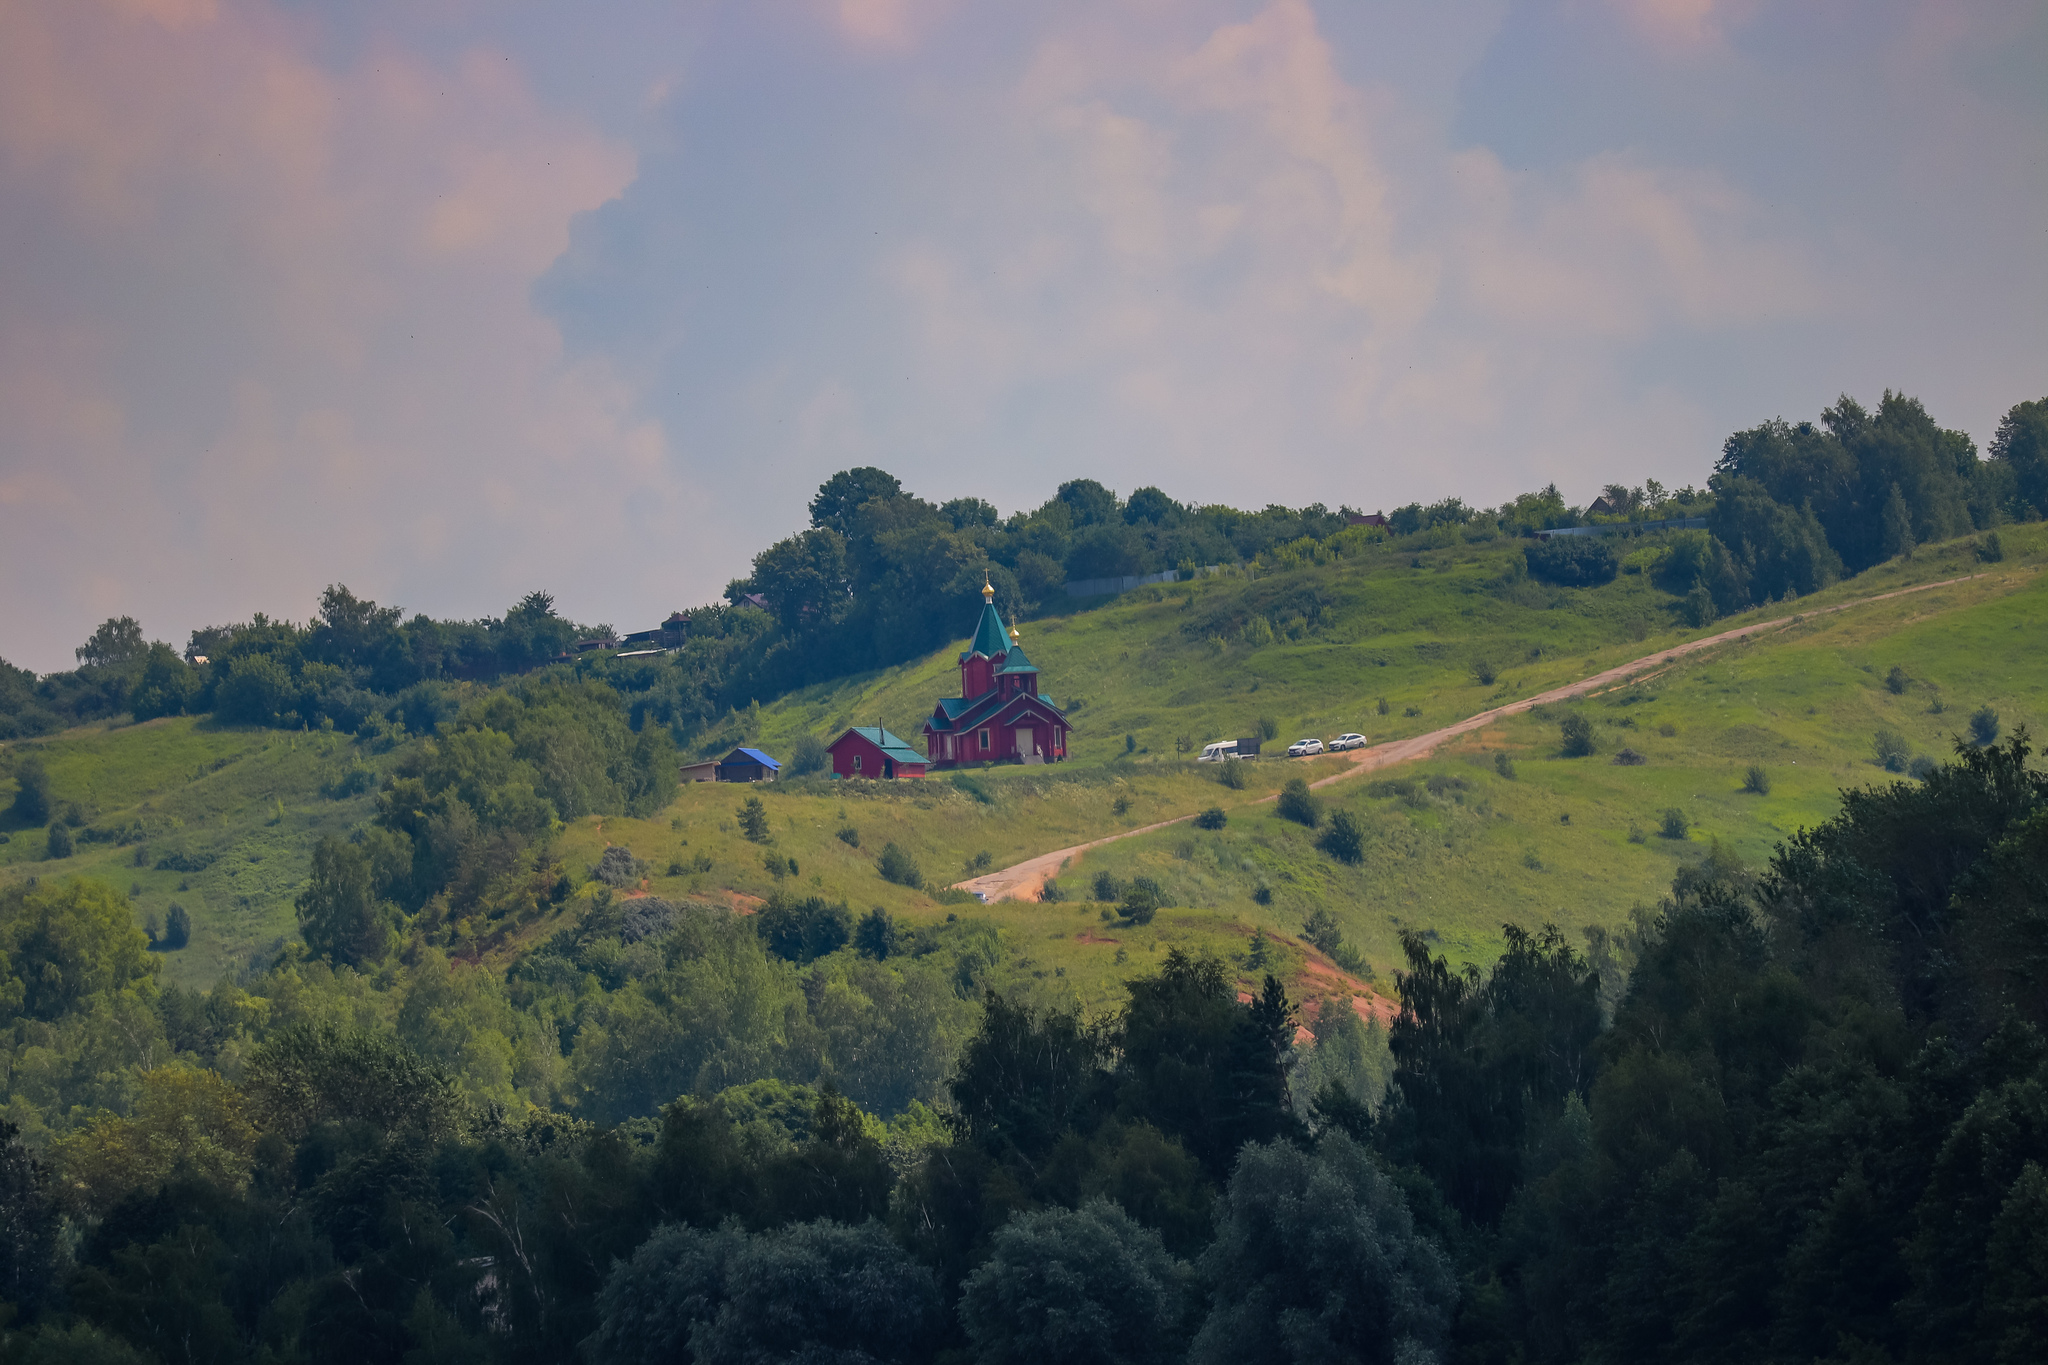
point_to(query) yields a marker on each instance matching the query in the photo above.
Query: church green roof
(989, 639)
(1016, 662)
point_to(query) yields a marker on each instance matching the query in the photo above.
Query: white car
(1347, 742)
(1302, 748)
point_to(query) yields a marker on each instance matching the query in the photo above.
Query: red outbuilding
(871, 751)
(1000, 715)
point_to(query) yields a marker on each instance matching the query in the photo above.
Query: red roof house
(1000, 715)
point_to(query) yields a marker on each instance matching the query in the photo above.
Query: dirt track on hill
(1021, 881)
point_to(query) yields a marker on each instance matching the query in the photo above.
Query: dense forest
(1796, 1113)
(879, 576)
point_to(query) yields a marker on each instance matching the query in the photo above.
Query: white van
(1218, 751)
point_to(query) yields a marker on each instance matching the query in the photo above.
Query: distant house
(748, 765)
(1364, 519)
(673, 633)
(594, 642)
(754, 599)
(707, 771)
(871, 751)
(1601, 507)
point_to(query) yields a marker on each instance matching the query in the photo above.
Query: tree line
(880, 575)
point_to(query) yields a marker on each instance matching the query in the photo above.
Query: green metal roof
(989, 639)
(888, 743)
(1016, 662)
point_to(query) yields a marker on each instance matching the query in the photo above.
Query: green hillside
(221, 820)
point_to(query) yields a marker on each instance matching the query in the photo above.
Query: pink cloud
(335, 265)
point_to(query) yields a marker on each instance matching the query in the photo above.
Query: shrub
(1984, 727)
(1756, 781)
(1573, 561)
(1696, 609)
(1321, 930)
(1297, 805)
(1130, 744)
(753, 818)
(1050, 893)
(354, 781)
(899, 867)
(875, 935)
(1344, 840)
(1142, 899)
(619, 868)
(1636, 835)
(1888, 747)
(1922, 768)
(1676, 825)
(1504, 765)
(1896, 681)
(1268, 728)
(1231, 774)
(60, 840)
(1483, 672)
(1383, 708)
(32, 800)
(1263, 894)
(1107, 887)
(778, 866)
(1121, 806)
(1991, 549)
(801, 931)
(177, 927)
(1212, 818)
(1629, 758)
(849, 836)
(807, 755)
(1577, 733)
(979, 862)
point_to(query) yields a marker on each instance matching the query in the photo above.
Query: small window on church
(856, 762)
(984, 739)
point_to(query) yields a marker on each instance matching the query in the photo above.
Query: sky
(450, 300)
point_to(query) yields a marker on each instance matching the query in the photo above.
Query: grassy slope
(1804, 703)
(205, 790)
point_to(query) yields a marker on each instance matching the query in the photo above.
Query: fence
(1673, 524)
(1096, 587)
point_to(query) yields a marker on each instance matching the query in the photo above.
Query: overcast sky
(452, 299)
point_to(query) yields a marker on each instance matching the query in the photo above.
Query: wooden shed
(871, 751)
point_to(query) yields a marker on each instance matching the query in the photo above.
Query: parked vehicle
(1302, 748)
(1217, 750)
(1347, 741)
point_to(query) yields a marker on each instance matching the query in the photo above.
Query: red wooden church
(1000, 715)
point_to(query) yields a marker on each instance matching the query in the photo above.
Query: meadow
(222, 819)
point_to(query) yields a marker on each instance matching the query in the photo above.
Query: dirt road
(1021, 881)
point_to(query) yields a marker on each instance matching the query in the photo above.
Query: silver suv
(1302, 748)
